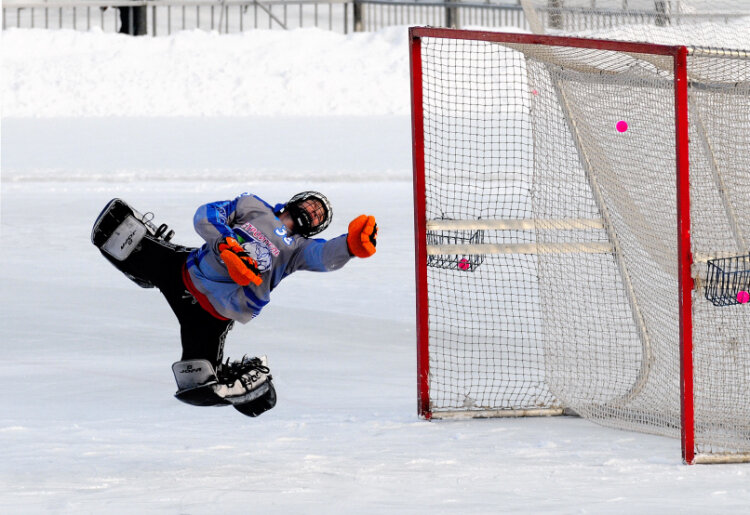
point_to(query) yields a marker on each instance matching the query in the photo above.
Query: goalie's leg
(135, 246)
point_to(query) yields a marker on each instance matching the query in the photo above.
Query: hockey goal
(582, 220)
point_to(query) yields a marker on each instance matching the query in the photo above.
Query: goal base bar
(718, 459)
(505, 413)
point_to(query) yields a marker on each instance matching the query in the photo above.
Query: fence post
(358, 14)
(133, 20)
(451, 15)
(662, 20)
(555, 14)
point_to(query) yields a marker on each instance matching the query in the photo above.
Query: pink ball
(743, 297)
(464, 264)
(621, 126)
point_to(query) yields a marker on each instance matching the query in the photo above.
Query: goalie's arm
(318, 255)
(213, 221)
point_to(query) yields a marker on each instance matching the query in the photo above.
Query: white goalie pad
(252, 385)
(242, 394)
(193, 373)
(196, 380)
(125, 238)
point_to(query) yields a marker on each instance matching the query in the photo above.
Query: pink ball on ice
(743, 297)
(464, 264)
(621, 126)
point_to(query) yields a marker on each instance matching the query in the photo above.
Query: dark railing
(162, 17)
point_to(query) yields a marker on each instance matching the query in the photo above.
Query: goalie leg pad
(259, 405)
(196, 383)
(247, 385)
(117, 231)
(251, 393)
(135, 245)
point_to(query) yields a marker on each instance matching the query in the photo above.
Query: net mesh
(711, 23)
(477, 135)
(575, 146)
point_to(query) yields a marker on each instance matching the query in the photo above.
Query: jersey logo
(257, 245)
(284, 234)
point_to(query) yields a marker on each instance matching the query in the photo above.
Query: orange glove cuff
(362, 237)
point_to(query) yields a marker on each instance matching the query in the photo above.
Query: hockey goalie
(250, 246)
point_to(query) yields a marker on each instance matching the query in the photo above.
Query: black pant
(160, 264)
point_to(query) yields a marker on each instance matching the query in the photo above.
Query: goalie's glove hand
(241, 267)
(362, 237)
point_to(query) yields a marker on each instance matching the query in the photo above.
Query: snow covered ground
(88, 423)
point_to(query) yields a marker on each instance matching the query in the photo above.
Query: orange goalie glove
(241, 267)
(362, 237)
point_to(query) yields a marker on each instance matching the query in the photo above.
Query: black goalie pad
(247, 384)
(255, 407)
(196, 383)
(131, 241)
(117, 231)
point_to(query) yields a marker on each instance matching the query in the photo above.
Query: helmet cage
(303, 221)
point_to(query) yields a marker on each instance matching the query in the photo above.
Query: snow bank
(303, 72)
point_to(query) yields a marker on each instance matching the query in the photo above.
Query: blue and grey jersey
(253, 223)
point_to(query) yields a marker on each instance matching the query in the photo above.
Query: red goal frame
(685, 280)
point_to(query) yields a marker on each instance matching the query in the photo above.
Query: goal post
(574, 199)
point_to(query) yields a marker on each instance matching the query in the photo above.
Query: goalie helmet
(310, 211)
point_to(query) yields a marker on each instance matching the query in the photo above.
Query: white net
(563, 289)
(712, 23)
(720, 211)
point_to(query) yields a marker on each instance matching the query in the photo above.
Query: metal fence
(377, 14)
(162, 17)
